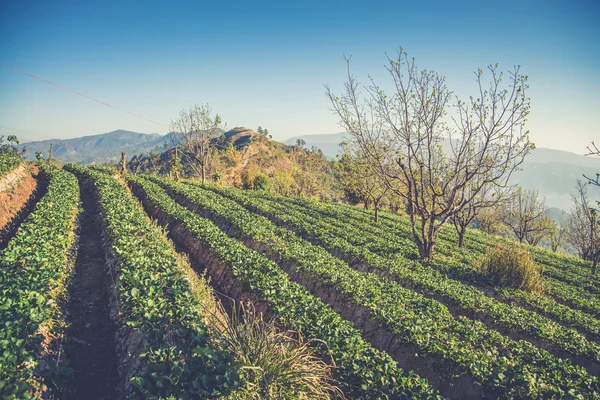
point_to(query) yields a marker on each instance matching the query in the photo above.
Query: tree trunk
(203, 174)
(461, 236)
(366, 204)
(376, 213)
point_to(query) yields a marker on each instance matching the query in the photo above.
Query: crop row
(364, 371)
(560, 268)
(464, 299)
(394, 232)
(160, 319)
(367, 240)
(503, 366)
(36, 268)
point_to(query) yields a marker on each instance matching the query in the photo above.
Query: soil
(90, 347)
(17, 200)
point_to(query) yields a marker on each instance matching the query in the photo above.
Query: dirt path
(91, 344)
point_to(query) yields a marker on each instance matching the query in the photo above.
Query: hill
(553, 172)
(99, 149)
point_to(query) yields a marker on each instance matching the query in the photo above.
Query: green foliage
(512, 266)
(350, 234)
(260, 182)
(522, 370)
(364, 372)
(36, 269)
(155, 298)
(10, 157)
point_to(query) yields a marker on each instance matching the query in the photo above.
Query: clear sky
(265, 63)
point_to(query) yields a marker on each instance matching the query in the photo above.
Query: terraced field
(97, 302)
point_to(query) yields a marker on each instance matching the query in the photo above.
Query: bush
(274, 364)
(512, 266)
(261, 182)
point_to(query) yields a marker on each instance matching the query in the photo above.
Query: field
(107, 283)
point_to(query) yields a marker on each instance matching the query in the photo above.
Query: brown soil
(90, 347)
(16, 202)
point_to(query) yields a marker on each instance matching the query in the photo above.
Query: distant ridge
(102, 148)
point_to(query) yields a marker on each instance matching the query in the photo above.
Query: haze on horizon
(265, 63)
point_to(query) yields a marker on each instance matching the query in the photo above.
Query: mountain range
(102, 148)
(553, 173)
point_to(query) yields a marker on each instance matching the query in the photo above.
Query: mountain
(98, 149)
(328, 143)
(553, 173)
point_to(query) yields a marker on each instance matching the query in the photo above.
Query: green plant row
(362, 235)
(35, 271)
(365, 372)
(8, 163)
(503, 366)
(457, 263)
(156, 300)
(561, 269)
(338, 240)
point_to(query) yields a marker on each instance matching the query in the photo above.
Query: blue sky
(265, 63)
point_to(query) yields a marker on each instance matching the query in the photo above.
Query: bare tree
(488, 197)
(525, 215)
(199, 127)
(402, 136)
(583, 225)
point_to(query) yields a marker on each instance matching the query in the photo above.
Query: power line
(35, 135)
(80, 94)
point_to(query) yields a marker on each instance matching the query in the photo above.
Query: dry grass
(275, 364)
(512, 266)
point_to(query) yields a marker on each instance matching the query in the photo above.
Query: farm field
(110, 285)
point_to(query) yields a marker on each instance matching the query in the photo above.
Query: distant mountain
(98, 149)
(553, 172)
(328, 143)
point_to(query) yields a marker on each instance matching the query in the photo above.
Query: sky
(266, 63)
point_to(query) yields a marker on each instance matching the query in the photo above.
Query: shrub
(512, 266)
(261, 182)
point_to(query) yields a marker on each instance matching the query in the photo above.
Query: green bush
(512, 266)
(261, 182)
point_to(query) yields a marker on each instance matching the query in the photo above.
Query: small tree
(583, 227)
(199, 126)
(558, 235)
(360, 181)
(525, 215)
(490, 220)
(300, 142)
(402, 136)
(488, 197)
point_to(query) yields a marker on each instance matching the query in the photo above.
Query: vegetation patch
(512, 266)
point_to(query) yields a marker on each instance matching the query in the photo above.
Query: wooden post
(123, 163)
(50, 152)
